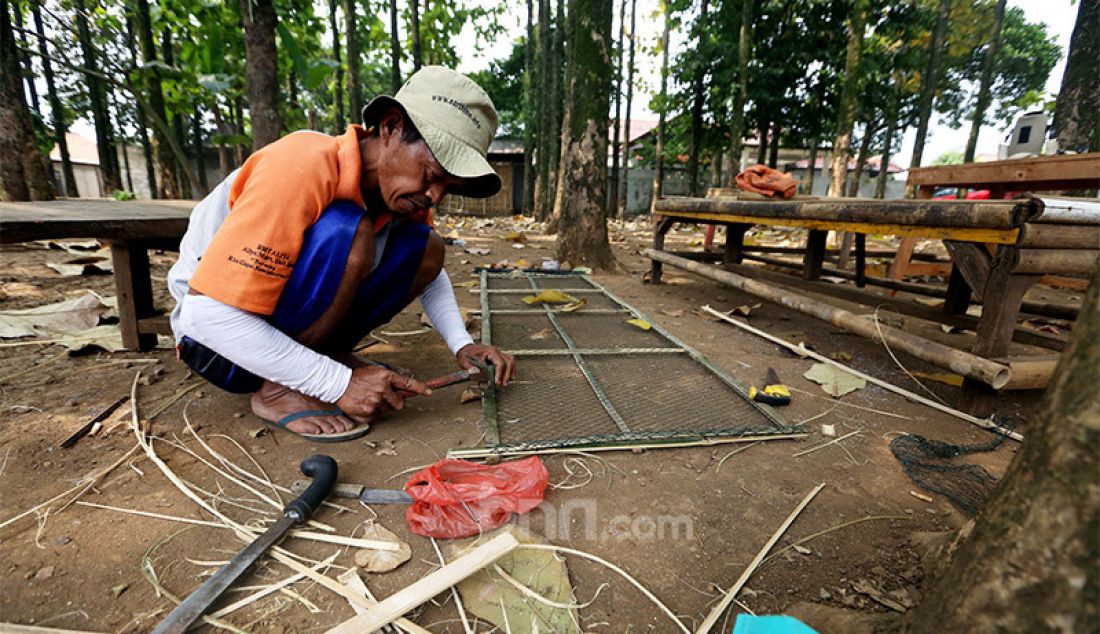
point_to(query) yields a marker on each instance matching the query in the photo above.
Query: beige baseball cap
(457, 120)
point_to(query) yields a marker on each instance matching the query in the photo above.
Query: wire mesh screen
(587, 378)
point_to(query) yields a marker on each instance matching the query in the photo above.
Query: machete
(323, 471)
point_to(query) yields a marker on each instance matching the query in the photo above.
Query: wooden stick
(719, 609)
(275, 587)
(826, 444)
(480, 452)
(980, 422)
(410, 597)
(351, 579)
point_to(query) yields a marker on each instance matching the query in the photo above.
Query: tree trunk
(414, 26)
(697, 108)
(615, 141)
(659, 153)
(261, 71)
(773, 152)
(869, 132)
(169, 182)
(811, 169)
(557, 99)
(186, 185)
(986, 85)
(122, 147)
(200, 156)
(225, 159)
(97, 96)
(25, 59)
(582, 189)
(624, 184)
(849, 97)
(338, 87)
(58, 113)
(716, 167)
(543, 193)
(887, 143)
(1029, 562)
(1077, 114)
(929, 82)
(530, 114)
(740, 95)
(395, 49)
(762, 148)
(139, 114)
(24, 171)
(355, 86)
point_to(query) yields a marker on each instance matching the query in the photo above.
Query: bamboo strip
(731, 594)
(980, 422)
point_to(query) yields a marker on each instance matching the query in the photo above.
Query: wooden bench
(131, 228)
(1021, 230)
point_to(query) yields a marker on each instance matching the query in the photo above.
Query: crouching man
(317, 240)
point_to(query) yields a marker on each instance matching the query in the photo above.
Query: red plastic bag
(455, 498)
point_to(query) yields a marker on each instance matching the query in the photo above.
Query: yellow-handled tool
(774, 393)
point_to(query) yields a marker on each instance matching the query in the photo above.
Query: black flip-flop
(344, 436)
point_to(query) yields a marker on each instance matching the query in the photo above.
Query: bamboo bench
(131, 228)
(1030, 237)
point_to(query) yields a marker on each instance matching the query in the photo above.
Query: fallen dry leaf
(550, 296)
(469, 395)
(744, 310)
(382, 560)
(946, 378)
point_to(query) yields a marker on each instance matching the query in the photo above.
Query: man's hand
(504, 363)
(373, 391)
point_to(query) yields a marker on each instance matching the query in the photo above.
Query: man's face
(410, 179)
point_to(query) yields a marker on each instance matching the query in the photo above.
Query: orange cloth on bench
(763, 180)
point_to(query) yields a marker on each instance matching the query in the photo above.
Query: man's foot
(274, 402)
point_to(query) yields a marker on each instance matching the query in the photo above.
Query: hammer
(480, 370)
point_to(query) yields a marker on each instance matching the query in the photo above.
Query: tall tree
(338, 84)
(697, 105)
(25, 58)
(740, 95)
(530, 114)
(167, 184)
(929, 80)
(1077, 113)
(984, 87)
(888, 140)
(60, 127)
(618, 93)
(848, 97)
(188, 187)
(662, 107)
(1029, 562)
(624, 184)
(414, 28)
(97, 95)
(355, 84)
(582, 189)
(24, 171)
(395, 49)
(261, 71)
(557, 99)
(543, 195)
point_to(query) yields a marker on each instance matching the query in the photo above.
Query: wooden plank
(659, 233)
(156, 325)
(1042, 173)
(1003, 293)
(959, 293)
(93, 219)
(861, 260)
(734, 249)
(134, 291)
(973, 262)
(992, 236)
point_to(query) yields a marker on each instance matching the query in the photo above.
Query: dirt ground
(81, 567)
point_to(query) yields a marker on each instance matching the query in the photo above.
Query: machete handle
(323, 470)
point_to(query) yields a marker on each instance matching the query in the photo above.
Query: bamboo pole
(1055, 261)
(1038, 236)
(980, 422)
(968, 365)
